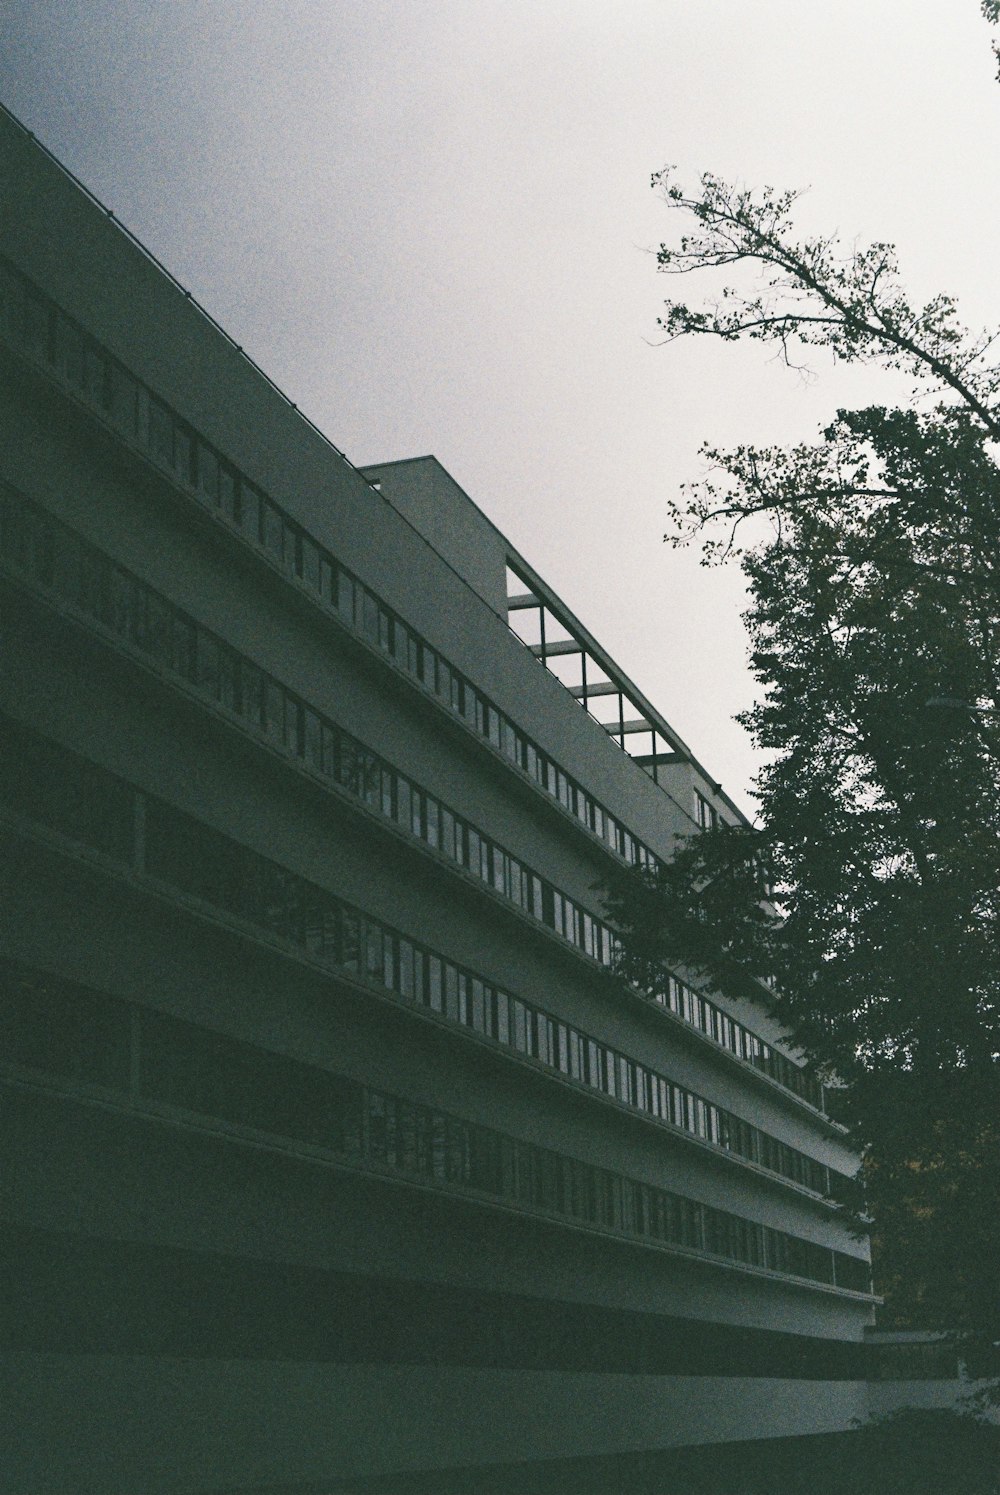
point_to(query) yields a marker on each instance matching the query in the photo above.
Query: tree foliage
(872, 558)
(991, 11)
(925, 1451)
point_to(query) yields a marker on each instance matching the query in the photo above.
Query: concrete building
(332, 1151)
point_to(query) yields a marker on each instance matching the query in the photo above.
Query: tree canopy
(872, 559)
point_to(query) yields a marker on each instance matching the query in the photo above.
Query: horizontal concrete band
(85, 1295)
(110, 1424)
(822, 1462)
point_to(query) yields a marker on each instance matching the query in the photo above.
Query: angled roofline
(679, 750)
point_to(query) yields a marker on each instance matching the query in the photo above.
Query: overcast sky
(429, 221)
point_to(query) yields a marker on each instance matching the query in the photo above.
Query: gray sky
(428, 221)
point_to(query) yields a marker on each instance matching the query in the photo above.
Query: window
(273, 534)
(69, 353)
(161, 433)
(251, 512)
(208, 474)
(704, 813)
(307, 562)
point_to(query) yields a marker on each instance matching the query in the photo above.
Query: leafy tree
(872, 559)
(927, 1451)
(991, 10)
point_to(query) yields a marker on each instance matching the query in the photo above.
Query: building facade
(333, 1152)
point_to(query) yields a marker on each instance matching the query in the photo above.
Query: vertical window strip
(706, 815)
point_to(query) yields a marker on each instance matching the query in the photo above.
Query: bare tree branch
(814, 292)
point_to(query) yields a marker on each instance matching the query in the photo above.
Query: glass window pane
(369, 615)
(184, 453)
(274, 532)
(229, 670)
(331, 741)
(208, 664)
(451, 993)
(309, 570)
(123, 399)
(274, 702)
(250, 515)
(228, 492)
(96, 377)
(313, 740)
(435, 983)
(161, 433)
(208, 474)
(344, 596)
